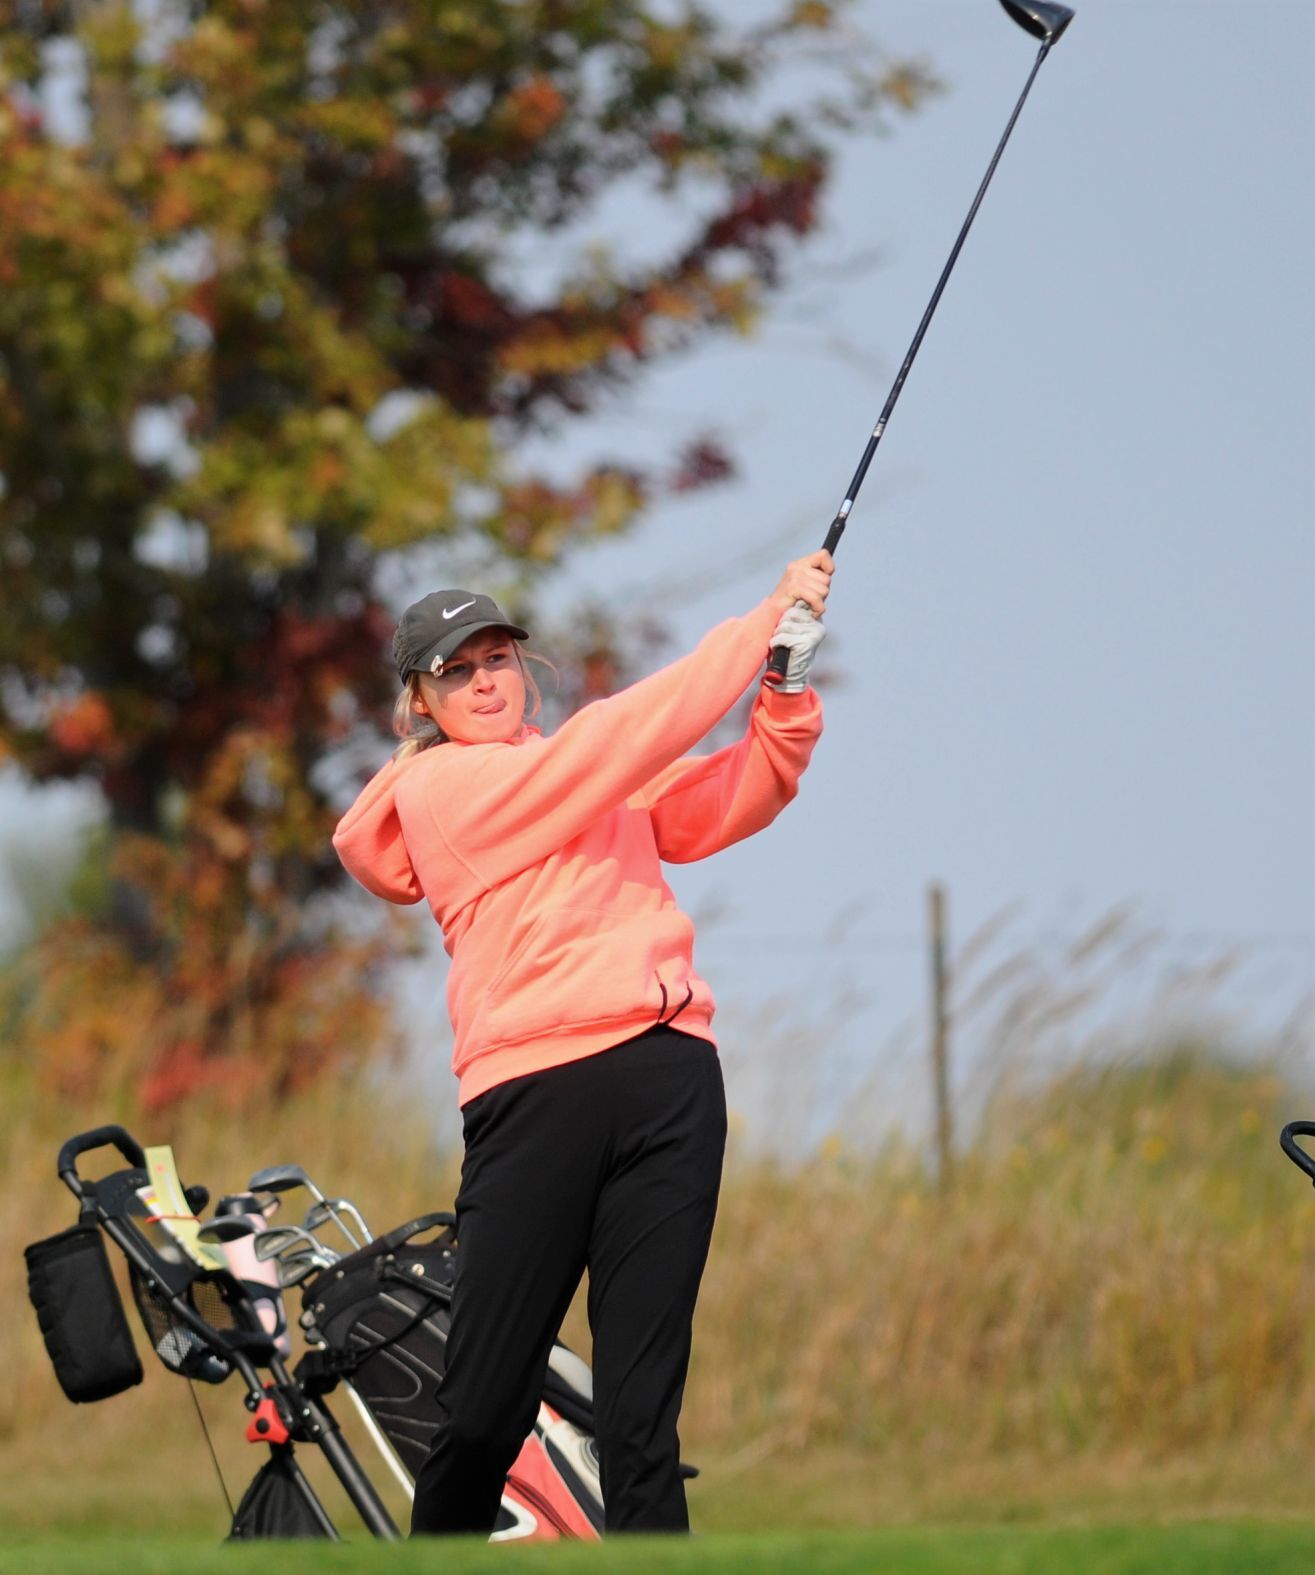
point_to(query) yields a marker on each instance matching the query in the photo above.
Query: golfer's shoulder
(451, 763)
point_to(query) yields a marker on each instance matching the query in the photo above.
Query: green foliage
(285, 240)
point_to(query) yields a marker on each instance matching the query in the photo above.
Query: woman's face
(479, 697)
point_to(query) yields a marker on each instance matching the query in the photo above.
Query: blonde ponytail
(417, 729)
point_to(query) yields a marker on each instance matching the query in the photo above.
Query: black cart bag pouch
(275, 1504)
(81, 1315)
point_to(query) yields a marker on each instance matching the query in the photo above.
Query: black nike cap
(431, 629)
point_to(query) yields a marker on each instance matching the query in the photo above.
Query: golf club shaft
(381, 1442)
(333, 1213)
(780, 656)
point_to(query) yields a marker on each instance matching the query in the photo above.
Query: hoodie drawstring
(662, 1020)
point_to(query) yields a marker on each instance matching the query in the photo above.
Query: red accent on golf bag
(537, 1485)
(266, 1425)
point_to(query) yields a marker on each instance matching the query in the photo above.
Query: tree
(261, 332)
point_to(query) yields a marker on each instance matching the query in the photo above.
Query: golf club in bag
(1045, 21)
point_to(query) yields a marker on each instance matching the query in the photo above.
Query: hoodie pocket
(585, 967)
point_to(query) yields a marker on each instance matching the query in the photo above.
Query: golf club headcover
(258, 1277)
(800, 632)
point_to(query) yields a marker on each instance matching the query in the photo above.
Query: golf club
(381, 1442)
(283, 1178)
(297, 1267)
(278, 1239)
(295, 1253)
(322, 1256)
(1042, 20)
(318, 1213)
(228, 1227)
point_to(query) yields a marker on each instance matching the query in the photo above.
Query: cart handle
(1298, 1155)
(101, 1137)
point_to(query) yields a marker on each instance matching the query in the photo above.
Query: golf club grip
(779, 660)
(1299, 1156)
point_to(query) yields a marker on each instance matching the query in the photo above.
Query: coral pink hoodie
(540, 856)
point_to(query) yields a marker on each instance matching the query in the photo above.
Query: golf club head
(293, 1267)
(350, 1208)
(227, 1227)
(278, 1238)
(237, 1203)
(332, 1209)
(296, 1270)
(279, 1178)
(1041, 18)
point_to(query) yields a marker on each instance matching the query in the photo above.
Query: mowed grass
(1107, 1550)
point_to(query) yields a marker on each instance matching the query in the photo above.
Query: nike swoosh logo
(451, 612)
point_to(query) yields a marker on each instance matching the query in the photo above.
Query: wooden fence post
(940, 1037)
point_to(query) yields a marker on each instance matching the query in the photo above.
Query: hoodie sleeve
(500, 808)
(369, 841)
(707, 802)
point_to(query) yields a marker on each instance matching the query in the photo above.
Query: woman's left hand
(800, 632)
(806, 580)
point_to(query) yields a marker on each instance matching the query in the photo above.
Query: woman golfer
(590, 1089)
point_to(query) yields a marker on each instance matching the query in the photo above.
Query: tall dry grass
(1125, 1260)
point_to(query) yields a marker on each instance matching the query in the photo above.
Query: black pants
(610, 1163)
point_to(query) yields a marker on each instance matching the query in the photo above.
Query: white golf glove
(800, 631)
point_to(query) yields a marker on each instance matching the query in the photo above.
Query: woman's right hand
(806, 580)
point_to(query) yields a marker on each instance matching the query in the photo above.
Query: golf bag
(375, 1324)
(378, 1320)
(200, 1321)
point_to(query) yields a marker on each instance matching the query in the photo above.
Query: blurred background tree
(266, 332)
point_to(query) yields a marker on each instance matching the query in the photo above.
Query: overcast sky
(1074, 607)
